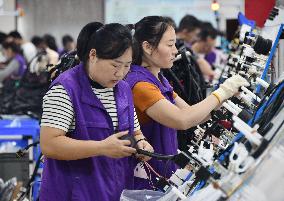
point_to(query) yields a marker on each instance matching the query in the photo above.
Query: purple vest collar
(140, 74)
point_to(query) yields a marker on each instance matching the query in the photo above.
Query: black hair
(13, 46)
(207, 30)
(50, 42)
(189, 23)
(67, 39)
(110, 41)
(36, 40)
(171, 21)
(15, 34)
(3, 37)
(150, 29)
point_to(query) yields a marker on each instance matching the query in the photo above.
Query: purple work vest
(22, 66)
(96, 178)
(162, 138)
(210, 57)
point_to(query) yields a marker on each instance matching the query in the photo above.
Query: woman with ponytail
(87, 113)
(160, 110)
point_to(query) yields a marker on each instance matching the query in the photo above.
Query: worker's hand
(114, 147)
(230, 87)
(143, 144)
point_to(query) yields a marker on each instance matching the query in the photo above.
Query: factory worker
(14, 66)
(159, 109)
(87, 112)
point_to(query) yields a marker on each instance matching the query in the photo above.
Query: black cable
(155, 155)
(188, 82)
(166, 167)
(67, 61)
(193, 89)
(267, 94)
(196, 81)
(30, 145)
(176, 83)
(21, 152)
(270, 111)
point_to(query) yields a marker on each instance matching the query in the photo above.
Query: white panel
(7, 18)
(131, 11)
(58, 17)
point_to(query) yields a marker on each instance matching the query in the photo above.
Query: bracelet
(141, 140)
(218, 98)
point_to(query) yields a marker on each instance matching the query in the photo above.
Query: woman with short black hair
(87, 112)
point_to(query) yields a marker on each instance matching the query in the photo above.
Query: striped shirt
(58, 110)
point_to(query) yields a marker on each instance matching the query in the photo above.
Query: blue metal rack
(26, 132)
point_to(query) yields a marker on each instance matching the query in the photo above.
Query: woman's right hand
(114, 147)
(230, 87)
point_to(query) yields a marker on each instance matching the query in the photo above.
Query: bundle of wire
(268, 107)
(155, 155)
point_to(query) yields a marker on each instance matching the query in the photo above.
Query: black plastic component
(263, 130)
(20, 153)
(262, 46)
(216, 130)
(271, 18)
(203, 173)
(216, 175)
(130, 138)
(218, 115)
(261, 149)
(250, 59)
(182, 159)
(275, 9)
(245, 115)
(274, 12)
(235, 59)
(163, 184)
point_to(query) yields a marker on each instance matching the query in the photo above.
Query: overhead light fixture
(215, 6)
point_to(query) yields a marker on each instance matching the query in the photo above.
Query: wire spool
(262, 46)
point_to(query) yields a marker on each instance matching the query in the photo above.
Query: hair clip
(132, 32)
